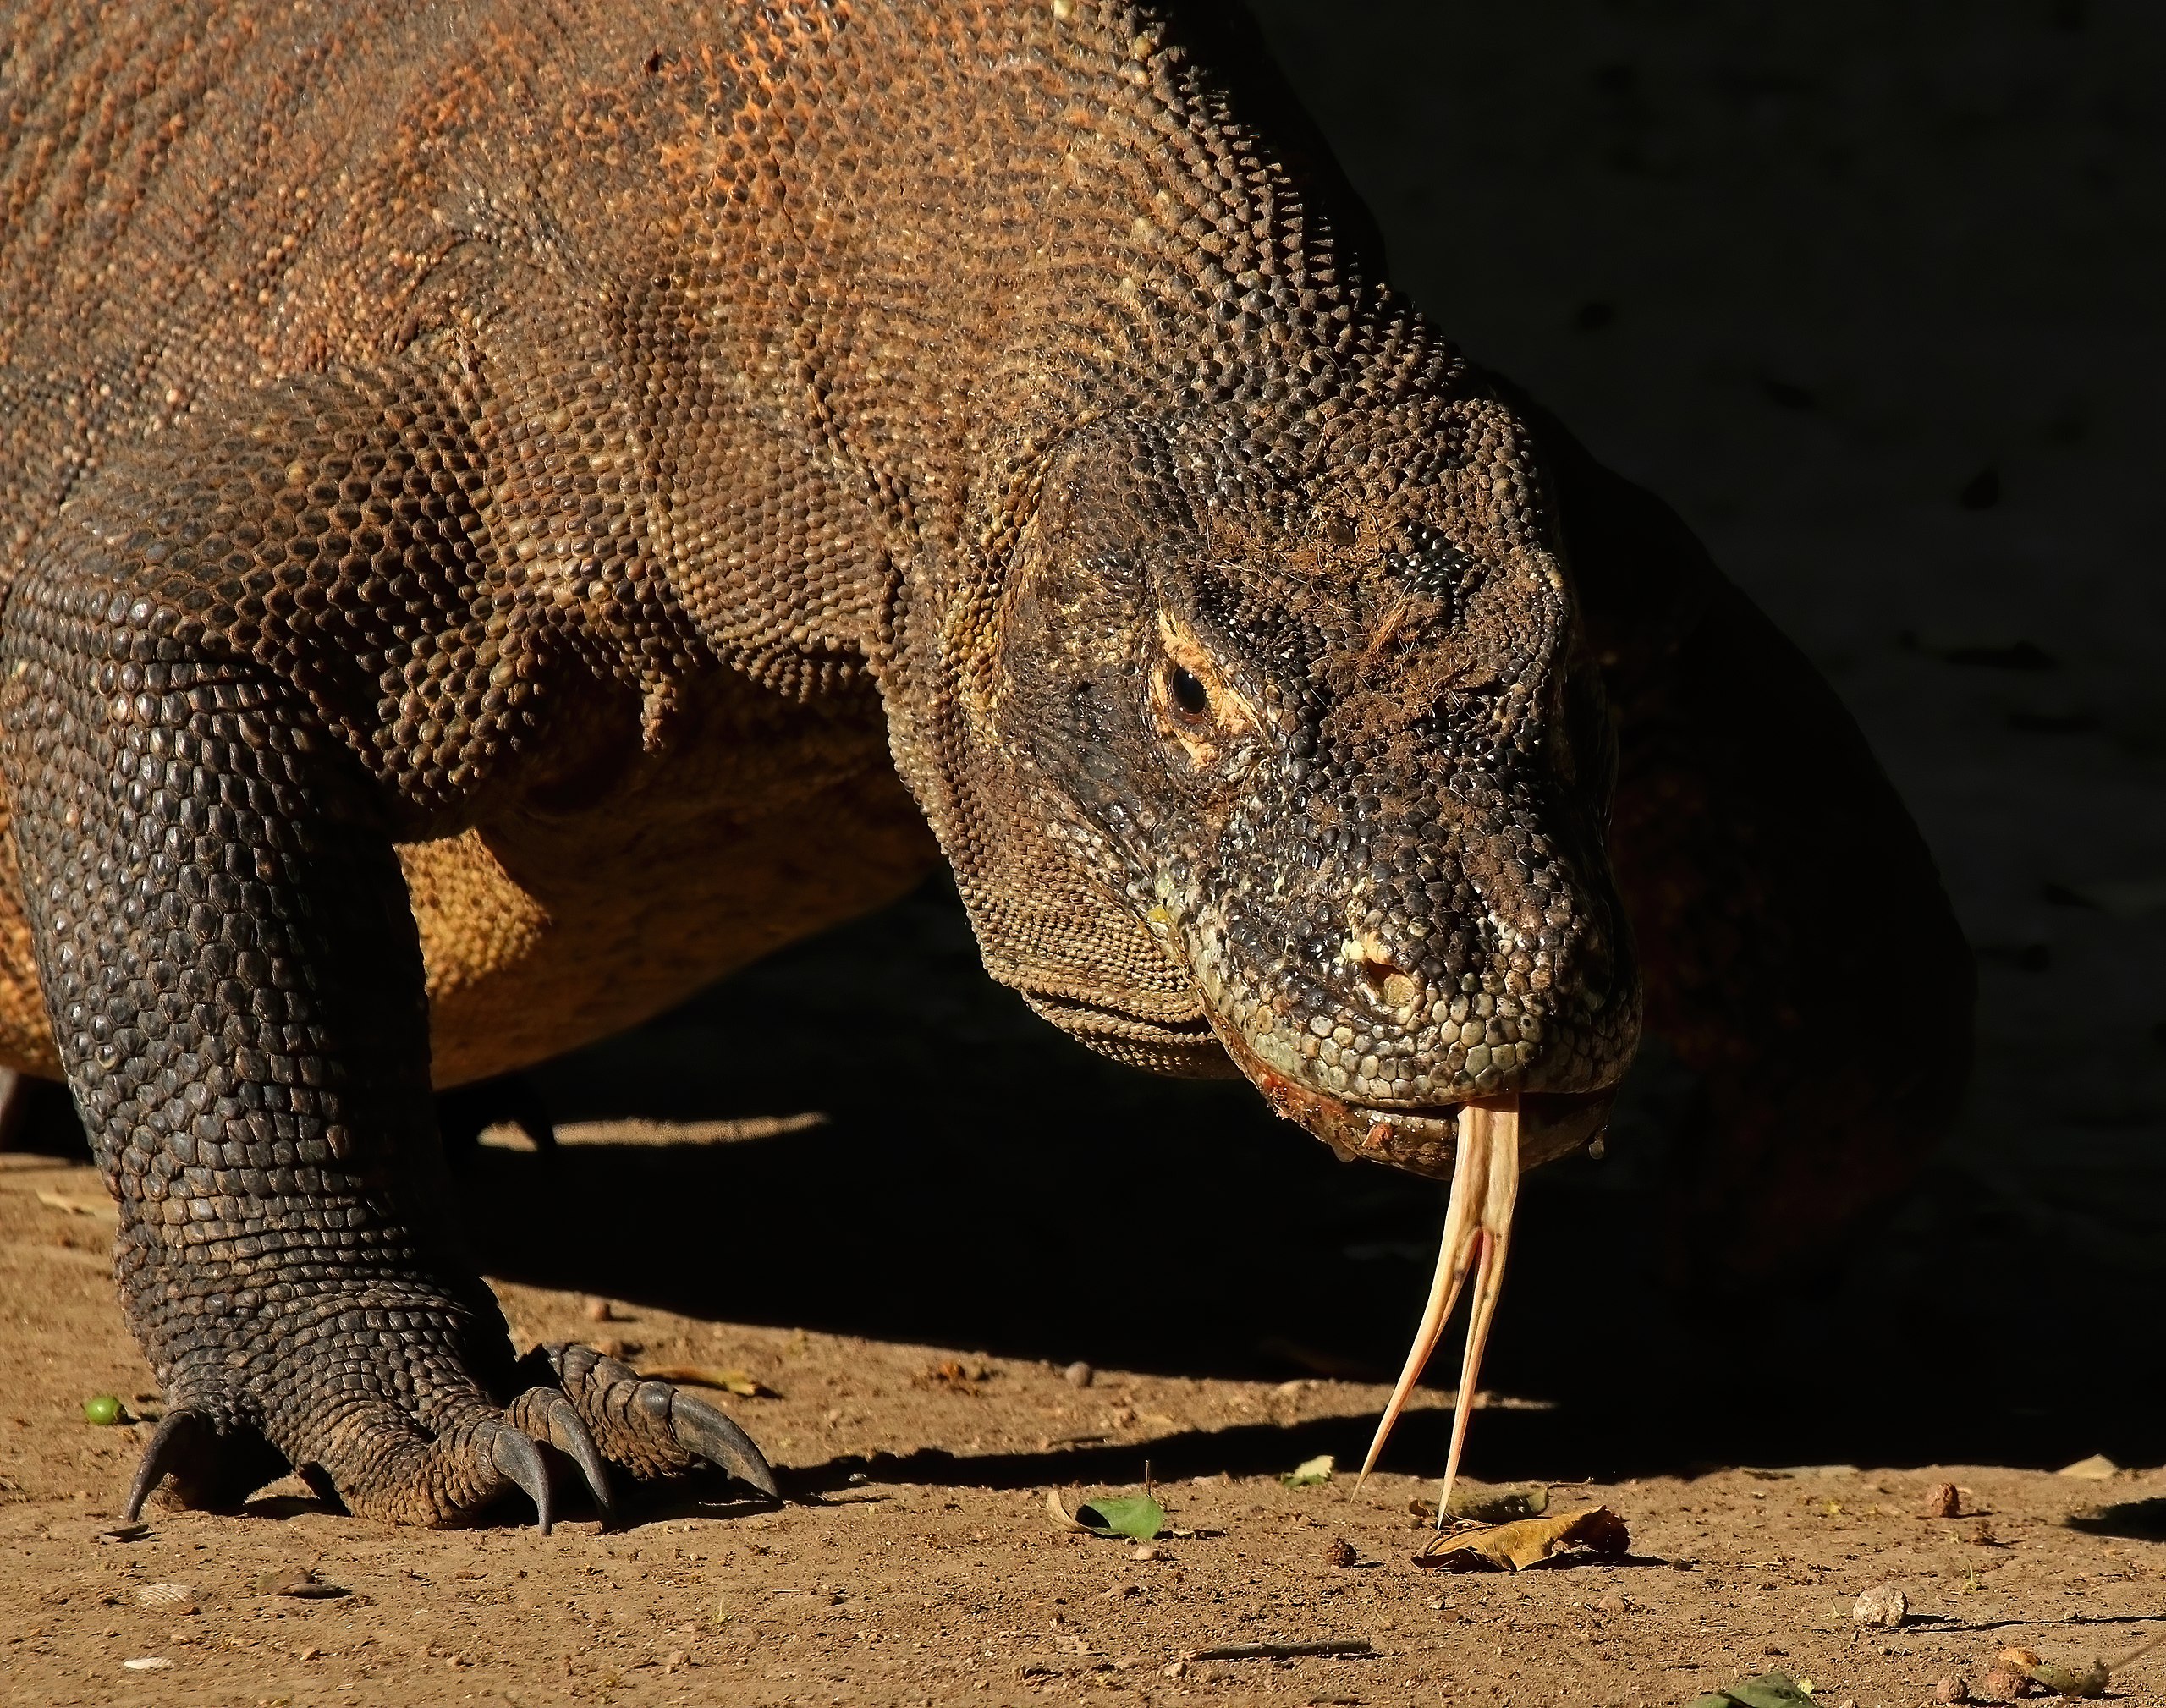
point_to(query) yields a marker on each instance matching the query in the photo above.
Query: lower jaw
(1424, 1140)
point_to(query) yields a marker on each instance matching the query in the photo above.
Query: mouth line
(1538, 1108)
(1423, 1138)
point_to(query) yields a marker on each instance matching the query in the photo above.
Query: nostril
(1391, 984)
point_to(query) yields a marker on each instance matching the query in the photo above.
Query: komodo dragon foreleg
(238, 664)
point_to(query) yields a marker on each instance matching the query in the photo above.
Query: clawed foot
(384, 1462)
(652, 1429)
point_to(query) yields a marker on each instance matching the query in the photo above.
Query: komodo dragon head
(1293, 754)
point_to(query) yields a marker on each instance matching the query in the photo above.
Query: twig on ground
(1281, 1651)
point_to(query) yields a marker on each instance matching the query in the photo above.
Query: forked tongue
(1478, 1227)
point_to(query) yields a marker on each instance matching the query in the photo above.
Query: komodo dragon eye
(1204, 717)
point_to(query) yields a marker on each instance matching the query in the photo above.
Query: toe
(178, 1447)
(649, 1427)
(387, 1467)
(514, 1453)
(548, 1414)
(202, 1463)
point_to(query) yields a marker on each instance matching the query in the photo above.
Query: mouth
(1424, 1139)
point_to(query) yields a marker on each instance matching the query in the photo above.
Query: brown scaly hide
(483, 485)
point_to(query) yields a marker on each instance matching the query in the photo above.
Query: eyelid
(1228, 717)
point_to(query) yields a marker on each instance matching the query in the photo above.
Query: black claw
(518, 1458)
(568, 1434)
(702, 1430)
(178, 1437)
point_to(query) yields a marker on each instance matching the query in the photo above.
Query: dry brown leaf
(1528, 1542)
(734, 1381)
(953, 1374)
(1060, 1515)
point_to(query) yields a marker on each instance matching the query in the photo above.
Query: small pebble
(1613, 1604)
(1881, 1604)
(599, 1310)
(2003, 1683)
(146, 1663)
(1954, 1688)
(1944, 1501)
(1174, 1669)
(1078, 1374)
(1341, 1553)
(1146, 1551)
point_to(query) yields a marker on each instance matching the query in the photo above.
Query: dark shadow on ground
(983, 1183)
(2142, 1521)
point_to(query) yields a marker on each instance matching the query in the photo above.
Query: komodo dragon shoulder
(511, 511)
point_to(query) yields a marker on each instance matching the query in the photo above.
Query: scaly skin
(482, 486)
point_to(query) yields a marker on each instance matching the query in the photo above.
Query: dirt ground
(1869, 292)
(915, 1560)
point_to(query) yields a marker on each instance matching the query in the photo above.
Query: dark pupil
(1190, 694)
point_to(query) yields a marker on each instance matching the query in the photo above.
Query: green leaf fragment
(2064, 1681)
(1499, 1506)
(1768, 1690)
(1122, 1515)
(1311, 1472)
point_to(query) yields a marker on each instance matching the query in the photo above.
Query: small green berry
(101, 1408)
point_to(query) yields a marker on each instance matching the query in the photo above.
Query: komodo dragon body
(489, 489)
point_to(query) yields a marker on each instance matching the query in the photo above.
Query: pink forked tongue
(1477, 1228)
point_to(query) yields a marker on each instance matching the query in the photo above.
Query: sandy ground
(915, 1562)
(1812, 273)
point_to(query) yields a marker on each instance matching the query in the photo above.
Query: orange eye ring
(1196, 707)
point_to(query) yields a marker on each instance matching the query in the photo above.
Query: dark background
(1868, 291)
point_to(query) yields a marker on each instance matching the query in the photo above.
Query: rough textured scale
(487, 489)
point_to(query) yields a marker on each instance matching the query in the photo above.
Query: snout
(1372, 1010)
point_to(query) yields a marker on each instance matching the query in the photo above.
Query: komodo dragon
(513, 510)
